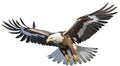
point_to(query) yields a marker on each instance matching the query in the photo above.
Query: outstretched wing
(88, 25)
(26, 33)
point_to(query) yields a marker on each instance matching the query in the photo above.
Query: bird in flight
(68, 52)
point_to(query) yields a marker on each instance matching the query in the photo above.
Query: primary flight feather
(68, 51)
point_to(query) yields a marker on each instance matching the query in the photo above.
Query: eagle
(68, 51)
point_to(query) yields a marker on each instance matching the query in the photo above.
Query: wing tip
(104, 6)
(22, 21)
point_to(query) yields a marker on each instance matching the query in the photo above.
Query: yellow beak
(48, 40)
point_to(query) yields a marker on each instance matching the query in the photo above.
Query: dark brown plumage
(68, 51)
(101, 14)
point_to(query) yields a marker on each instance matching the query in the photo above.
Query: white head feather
(56, 37)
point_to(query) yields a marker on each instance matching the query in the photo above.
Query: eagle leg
(72, 49)
(75, 58)
(64, 52)
(67, 58)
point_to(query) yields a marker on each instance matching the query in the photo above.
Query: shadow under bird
(68, 51)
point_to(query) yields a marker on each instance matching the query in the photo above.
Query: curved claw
(75, 58)
(67, 57)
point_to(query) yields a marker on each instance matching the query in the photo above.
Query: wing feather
(88, 25)
(26, 33)
(14, 32)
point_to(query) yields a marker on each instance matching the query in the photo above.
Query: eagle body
(67, 41)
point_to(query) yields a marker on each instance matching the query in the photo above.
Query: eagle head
(56, 38)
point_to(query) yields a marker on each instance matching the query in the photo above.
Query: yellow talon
(75, 58)
(67, 57)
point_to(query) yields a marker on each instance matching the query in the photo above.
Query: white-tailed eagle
(68, 51)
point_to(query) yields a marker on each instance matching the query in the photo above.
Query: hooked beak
(48, 40)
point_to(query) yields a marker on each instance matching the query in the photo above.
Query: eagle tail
(85, 53)
(58, 57)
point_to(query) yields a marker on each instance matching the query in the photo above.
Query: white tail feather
(84, 54)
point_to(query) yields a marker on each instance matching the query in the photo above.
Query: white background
(56, 15)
